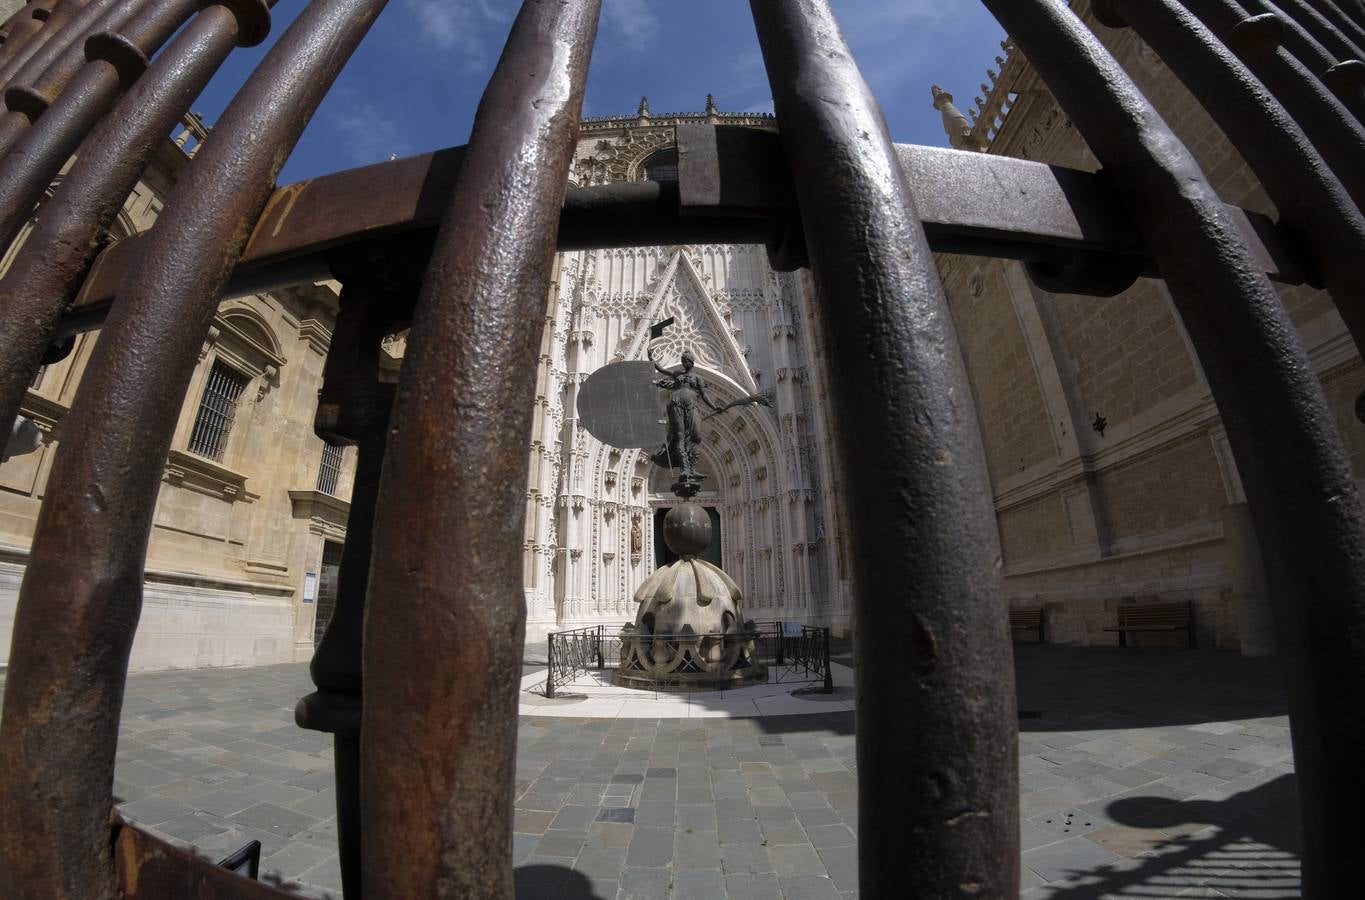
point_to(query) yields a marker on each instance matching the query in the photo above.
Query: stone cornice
(319, 506)
(187, 470)
(594, 124)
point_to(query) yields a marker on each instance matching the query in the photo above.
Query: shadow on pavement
(1084, 688)
(1245, 845)
(558, 882)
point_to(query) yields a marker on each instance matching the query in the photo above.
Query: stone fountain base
(689, 632)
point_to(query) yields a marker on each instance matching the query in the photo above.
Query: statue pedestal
(689, 632)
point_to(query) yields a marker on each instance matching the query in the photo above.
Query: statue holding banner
(687, 392)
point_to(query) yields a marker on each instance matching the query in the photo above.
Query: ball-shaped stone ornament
(687, 529)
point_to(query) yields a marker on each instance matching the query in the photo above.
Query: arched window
(661, 166)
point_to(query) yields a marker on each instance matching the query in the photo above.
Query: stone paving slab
(1143, 774)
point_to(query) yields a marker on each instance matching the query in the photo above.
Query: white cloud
(632, 21)
(474, 29)
(366, 133)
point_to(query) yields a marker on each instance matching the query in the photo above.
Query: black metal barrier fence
(800, 656)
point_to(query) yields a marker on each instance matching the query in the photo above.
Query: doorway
(327, 588)
(663, 555)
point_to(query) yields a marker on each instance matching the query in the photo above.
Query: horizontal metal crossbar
(1051, 212)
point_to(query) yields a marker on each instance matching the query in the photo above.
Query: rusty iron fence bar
(57, 29)
(1335, 31)
(937, 754)
(72, 33)
(115, 61)
(353, 408)
(147, 868)
(51, 266)
(1323, 58)
(1335, 133)
(32, 91)
(1294, 469)
(1341, 41)
(1311, 202)
(1343, 14)
(443, 638)
(68, 679)
(1058, 212)
(29, 21)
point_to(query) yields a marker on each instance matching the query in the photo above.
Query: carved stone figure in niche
(687, 393)
(637, 538)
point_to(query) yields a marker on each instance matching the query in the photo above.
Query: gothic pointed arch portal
(711, 498)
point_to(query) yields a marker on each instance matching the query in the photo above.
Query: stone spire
(959, 130)
(712, 113)
(643, 112)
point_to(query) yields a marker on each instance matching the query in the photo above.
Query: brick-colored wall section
(1170, 488)
(1034, 530)
(1009, 403)
(1129, 355)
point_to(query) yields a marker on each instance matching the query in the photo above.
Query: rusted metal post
(45, 76)
(1327, 24)
(49, 269)
(1310, 199)
(53, 29)
(1321, 48)
(1313, 25)
(1336, 134)
(1297, 477)
(28, 21)
(74, 625)
(115, 62)
(1343, 13)
(937, 750)
(444, 639)
(353, 408)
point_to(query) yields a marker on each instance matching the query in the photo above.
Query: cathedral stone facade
(593, 529)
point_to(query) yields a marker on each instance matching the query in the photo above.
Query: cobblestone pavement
(1143, 774)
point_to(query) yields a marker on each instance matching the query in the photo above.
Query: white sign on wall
(310, 587)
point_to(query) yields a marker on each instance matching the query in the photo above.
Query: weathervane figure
(687, 392)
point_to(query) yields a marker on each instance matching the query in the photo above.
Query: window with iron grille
(662, 165)
(213, 422)
(330, 469)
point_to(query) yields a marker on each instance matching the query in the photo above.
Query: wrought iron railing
(572, 653)
(796, 655)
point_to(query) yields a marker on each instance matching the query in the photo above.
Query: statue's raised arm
(662, 371)
(764, 398)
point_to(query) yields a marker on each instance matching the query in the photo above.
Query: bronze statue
(688, 392)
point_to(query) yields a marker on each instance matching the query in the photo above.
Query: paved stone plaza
(1143, 774)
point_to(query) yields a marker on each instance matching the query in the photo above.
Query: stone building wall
(234, 539)
(1140, 510)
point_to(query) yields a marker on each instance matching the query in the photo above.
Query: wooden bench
(1027, 620)
(1154, 617)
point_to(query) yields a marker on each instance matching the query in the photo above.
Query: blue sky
(415, 81)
